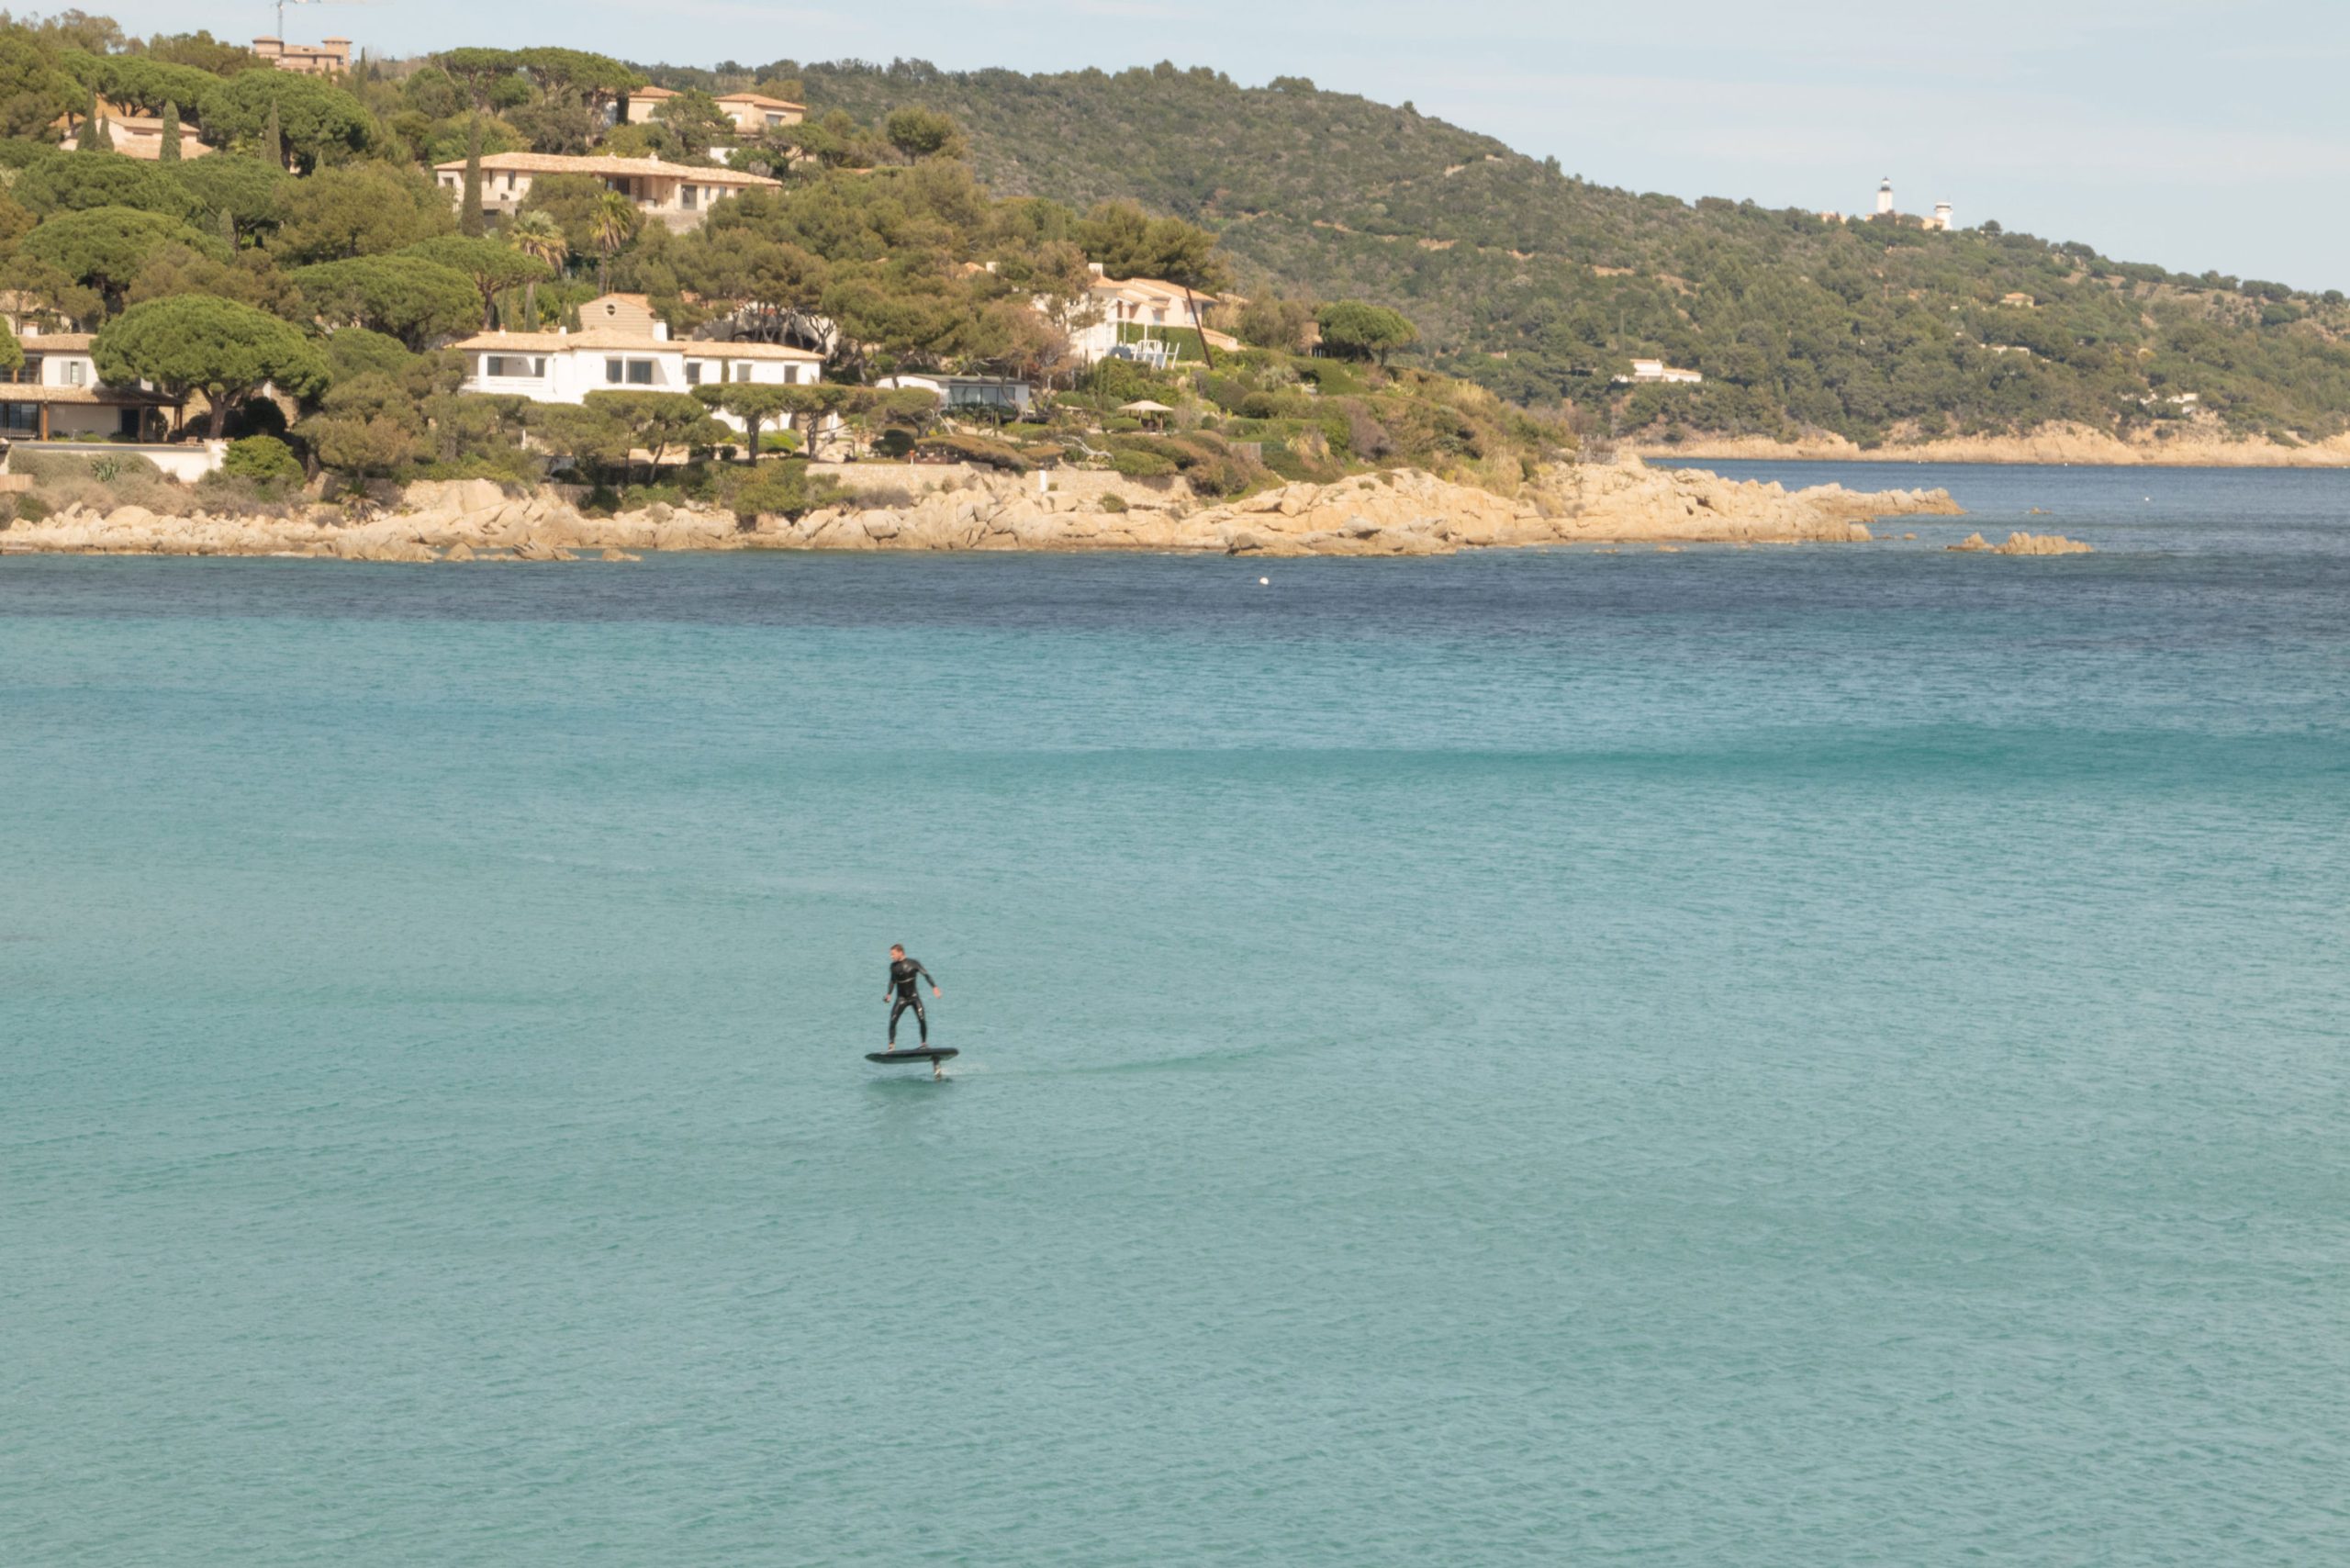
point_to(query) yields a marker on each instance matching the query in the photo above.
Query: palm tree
(538, 236)
(613, 224)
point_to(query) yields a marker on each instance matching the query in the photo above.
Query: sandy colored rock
(2202, 442)
(1401, 513)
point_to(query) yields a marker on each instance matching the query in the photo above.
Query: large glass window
(639, 373)
(615, 372)
(20, 419)
(693, 373)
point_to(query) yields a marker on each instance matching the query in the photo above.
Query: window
(792, 376)
(77, 373)
(615, 372)
(693, 373)
(742, 370)
(639, 373)
(685, 194)
(514, 365)
(19, 419)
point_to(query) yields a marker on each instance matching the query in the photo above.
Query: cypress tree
(469, 218)
(171, 149)
(272, 140)
(96, 135)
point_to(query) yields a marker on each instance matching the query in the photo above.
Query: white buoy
(1264, 582)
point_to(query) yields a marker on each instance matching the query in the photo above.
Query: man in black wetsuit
(906, 976)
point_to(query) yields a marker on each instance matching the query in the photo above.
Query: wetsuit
(906, 976)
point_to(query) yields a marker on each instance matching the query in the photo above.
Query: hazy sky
(2196, 133)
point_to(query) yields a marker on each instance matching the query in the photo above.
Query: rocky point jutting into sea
(939, 508)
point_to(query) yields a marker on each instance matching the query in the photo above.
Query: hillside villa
(134, 135)
(330, 58)
(671, 193)
(1136, 313)
(56, 396)
(753, 113)
(637, 105)
(621, 346)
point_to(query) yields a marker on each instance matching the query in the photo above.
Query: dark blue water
(1789, 1056)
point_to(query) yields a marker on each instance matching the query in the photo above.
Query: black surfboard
(922, 1054)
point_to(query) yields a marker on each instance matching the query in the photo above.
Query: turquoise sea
(1797, 1056)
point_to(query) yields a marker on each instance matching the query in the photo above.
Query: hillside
(1542, 286)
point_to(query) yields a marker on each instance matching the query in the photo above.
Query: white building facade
(623, 347)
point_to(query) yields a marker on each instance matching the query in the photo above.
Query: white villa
(56, 396)
(1136, 312)
(621, 346)
(671, 193)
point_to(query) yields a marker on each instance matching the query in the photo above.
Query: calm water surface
(1797, 1056)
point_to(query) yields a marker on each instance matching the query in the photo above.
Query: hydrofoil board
(920, 1054)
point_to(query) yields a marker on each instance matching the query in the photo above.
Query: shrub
(1138, 464)
(893, 444)
(973, 449)
(1112, 502)
(780, 441)
(779, 489)
(31, 507)
(263, 458)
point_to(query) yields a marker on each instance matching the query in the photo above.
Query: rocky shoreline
(2184, 445)
(1403, 513)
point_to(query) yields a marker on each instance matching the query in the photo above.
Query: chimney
(660, 331)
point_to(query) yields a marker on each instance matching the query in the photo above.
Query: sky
(2201, 134)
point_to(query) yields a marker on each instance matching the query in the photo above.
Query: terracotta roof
(759, 100)
(651, 168)
(651, 92)
(58, 343)
(625, 342)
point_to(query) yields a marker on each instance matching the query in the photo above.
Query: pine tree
(469, 215)
(171, 148)
(272, 140)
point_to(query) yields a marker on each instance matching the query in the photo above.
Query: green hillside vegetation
(1542, 286)
(311, 252)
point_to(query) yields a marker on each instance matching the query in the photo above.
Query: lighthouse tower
(1885, 199)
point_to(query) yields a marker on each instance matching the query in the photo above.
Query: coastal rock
(2022, 543)
(1399, 514)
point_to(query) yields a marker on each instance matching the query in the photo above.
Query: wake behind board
(922, 1054)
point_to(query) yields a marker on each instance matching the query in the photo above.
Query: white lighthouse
(1942, 214)
(1885, 199)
